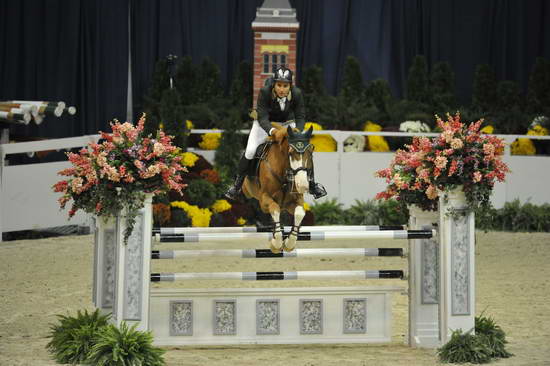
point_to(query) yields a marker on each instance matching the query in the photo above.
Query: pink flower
(477, 177)
(431, 192)
(441, 162)
(457, 144)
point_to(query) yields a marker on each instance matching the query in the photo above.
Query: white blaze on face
(300, 179)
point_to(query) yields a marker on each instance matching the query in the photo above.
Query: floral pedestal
(424, 281)
(457, 264)
(121, 275)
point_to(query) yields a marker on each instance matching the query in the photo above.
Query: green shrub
(124, 346)
(492, 335)
(362, 213)
(73, 337)
(464, 347)
(391, 212)
(179, 218)
(514, 216)
(329, 212)
(201, 193)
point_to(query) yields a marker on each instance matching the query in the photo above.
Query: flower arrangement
(376, 143)
(189, 159)
(523, 146)
(221, 206)
(200, 217)
(459, 156)
(113, 175)
(414, 126)
(322, 143)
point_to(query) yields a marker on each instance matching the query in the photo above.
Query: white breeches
(257, 136)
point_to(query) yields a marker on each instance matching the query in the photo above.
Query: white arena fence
(28, 202)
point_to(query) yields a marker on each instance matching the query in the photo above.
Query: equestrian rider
(278, 101)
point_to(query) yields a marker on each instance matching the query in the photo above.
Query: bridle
(301, 148)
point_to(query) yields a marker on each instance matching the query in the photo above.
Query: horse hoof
(289, 246)
(274, 248)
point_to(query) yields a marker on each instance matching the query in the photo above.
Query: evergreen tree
(186, 80)
(160, 81)
(484, 95)
(352, 82)
(172, 117)
(231, 144)
(417, 81)
(378, 93)
(442, 85)
(314, 92)
(208, 86)
(509, 117)
(240, 91)
(538, 91)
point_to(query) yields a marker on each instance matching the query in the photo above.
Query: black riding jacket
(269, 109)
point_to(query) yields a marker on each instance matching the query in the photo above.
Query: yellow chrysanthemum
(538, 131)
(200, 217)
(221, 206)
(161, 125)
(323, 143)
(189, 159)
(306, 206)
(316, 126)
(210, 141)
(376, 143)
(189, 125)
(487, 129)
(241, 221)
(523, 147)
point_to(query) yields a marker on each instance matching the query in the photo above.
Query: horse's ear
(290, 132)
(309, 132)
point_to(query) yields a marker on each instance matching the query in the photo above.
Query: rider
(278, 101)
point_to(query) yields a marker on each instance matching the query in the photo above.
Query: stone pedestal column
(122, 271)
(423, 281)
(457, 264)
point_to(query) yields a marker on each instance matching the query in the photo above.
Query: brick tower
(275, 29)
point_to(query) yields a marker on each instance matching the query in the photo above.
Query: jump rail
(266, 253)
(303, 236)
(282, 276)
(232, 229)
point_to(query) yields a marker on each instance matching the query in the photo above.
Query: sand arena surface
(45, 277)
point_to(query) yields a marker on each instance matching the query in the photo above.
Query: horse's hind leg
(290, 242)
(276, 243)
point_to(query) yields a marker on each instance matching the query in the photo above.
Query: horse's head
(300, 152)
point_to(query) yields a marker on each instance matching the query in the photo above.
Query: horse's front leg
(290, 242)
(276, 242)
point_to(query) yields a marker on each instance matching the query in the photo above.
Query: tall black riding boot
(315, 189)
(235, 190)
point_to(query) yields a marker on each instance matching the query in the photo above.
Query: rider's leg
(316, 189)
(255, 138)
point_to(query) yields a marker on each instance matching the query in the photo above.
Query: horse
(282, 181)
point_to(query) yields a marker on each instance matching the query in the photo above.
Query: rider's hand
(278, 134)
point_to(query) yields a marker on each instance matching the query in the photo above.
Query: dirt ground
(45, 277)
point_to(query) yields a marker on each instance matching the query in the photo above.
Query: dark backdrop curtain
(70, 50)
(76, 50)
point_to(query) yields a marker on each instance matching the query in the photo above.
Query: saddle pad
(260, 155)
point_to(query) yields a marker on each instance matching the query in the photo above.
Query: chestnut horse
(282, 181)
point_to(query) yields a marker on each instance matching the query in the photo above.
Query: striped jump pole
(283, 276)
(302, 236)
(266, 253)
(239, 229)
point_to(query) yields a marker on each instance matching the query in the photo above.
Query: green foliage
(240, 91)
(391, 212)
(442, 85)
(492, 335)
(72, 339)
(484, 97)
(509, 117)
(464, 347)
(328, 212)
(124, 346)
(378, 93)
(179, 218)
(187, 81)
(151, 101)
(417, 81)
(201, 193)
(314, 92)
(515, 217)
(538, 91)
(231, 144)
(172, 117)
(361, 213)
(409, 110)
(208, 86)
(352, 82)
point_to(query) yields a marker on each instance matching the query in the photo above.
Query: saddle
(259, 155)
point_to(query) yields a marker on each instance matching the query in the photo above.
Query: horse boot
(234, 191)
(317, 190)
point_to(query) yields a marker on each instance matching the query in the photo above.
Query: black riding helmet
(283, 74)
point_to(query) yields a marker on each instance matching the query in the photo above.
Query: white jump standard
(302, 236)
(267, 253)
